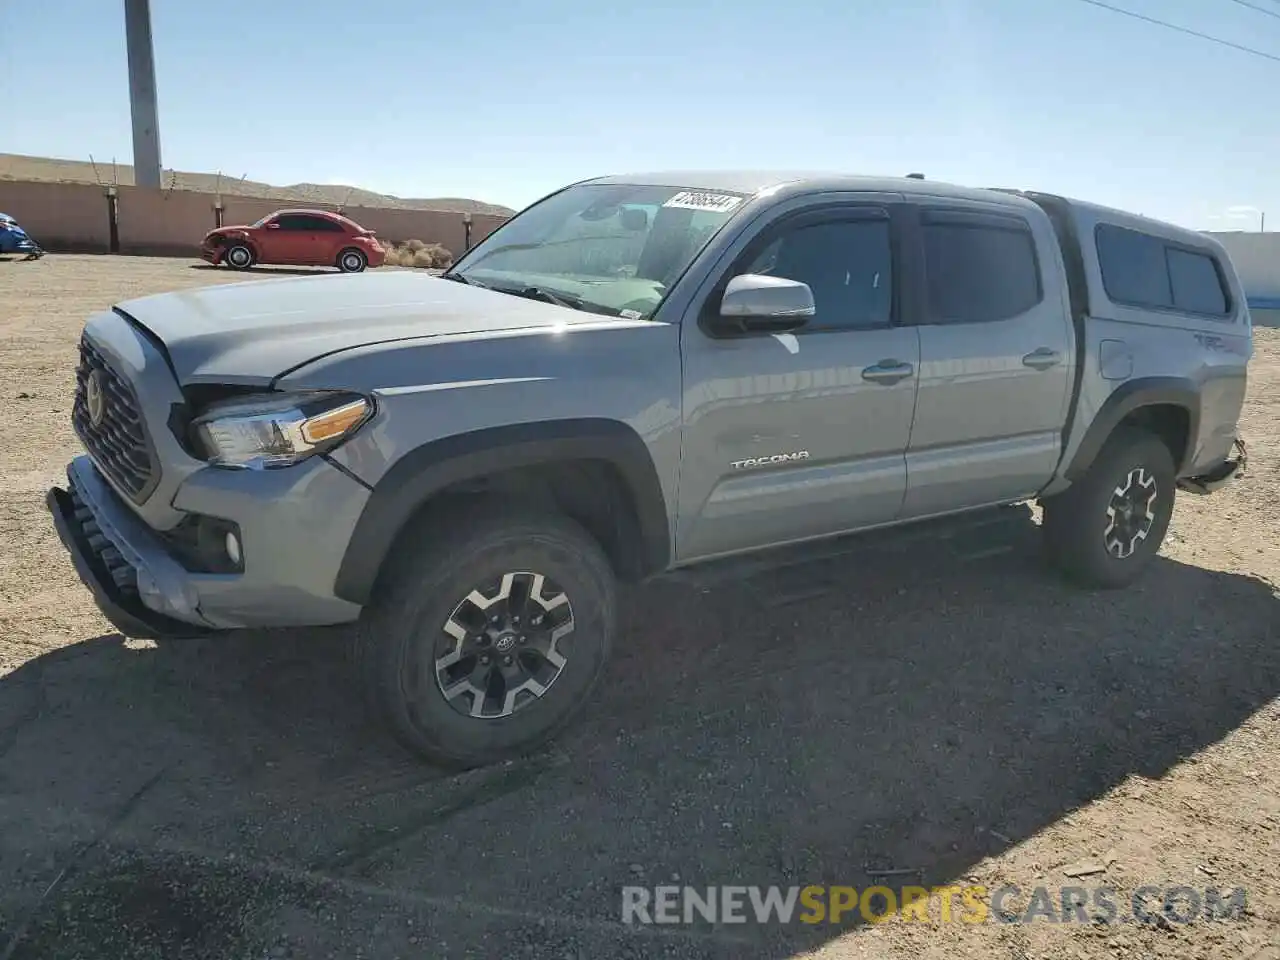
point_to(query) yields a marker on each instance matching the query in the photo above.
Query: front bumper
(294, 527)
(121, 562)
(1230, 469)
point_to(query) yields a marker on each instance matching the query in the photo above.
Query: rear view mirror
(754, 303)
(633, 220)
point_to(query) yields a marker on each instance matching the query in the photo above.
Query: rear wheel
(239, 256)
(1106, 528)
(488, 640)
(352, 260)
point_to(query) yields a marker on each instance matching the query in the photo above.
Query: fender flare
(1132, 396)
(426, 470)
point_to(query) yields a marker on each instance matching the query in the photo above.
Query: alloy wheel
(1130, 513)
(499, 649)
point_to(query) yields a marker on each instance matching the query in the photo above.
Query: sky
(505, 102)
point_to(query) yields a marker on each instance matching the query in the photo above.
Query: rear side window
(979, 270)
(1196, 284)
(1134, 269)
(1146, 271)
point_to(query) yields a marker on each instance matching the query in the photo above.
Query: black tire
(352, 260)
(402, 638)
(239, 256)
(1088, 535)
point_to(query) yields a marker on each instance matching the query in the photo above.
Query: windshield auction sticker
(697, 200)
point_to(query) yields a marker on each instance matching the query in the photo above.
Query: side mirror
(273, 225)
(754, 303)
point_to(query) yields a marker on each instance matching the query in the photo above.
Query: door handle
(888, 372)
(1042, 358)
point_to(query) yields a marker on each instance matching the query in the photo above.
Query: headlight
(278, 429)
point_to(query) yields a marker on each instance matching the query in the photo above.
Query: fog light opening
(232, 544)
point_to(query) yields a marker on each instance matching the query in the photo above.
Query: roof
(754, 181)
(310, 211)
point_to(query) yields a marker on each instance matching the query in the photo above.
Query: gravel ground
(935, 714)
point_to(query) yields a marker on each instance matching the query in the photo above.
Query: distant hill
(16, 167)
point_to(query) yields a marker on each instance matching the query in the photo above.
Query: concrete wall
(161, 222)
(1264, 318)
(1256, 257)
(75, 216)
(60, 216)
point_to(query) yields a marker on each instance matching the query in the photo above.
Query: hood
(253, 332)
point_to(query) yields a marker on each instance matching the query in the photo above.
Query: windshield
(613, 249)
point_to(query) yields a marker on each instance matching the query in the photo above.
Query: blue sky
(505, 101)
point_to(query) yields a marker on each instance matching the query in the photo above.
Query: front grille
(118, 441)
(118, 568)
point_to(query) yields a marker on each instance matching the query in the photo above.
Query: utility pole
(142, 93)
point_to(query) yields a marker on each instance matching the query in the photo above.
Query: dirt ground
(878, 713)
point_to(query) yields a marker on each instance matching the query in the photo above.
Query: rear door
(996, 358)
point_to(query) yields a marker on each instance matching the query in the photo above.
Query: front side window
(978, 272)
(611, 249)
(294, 222)
(847, 264)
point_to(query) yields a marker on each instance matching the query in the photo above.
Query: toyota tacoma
(636, 374)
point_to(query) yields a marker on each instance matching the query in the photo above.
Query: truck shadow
(821, 721)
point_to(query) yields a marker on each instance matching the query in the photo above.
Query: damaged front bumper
(1230, 469)
(121, 562)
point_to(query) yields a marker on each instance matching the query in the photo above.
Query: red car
(296, 237)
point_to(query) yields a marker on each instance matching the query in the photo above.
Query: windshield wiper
(550, 296)
(459, 278)
(558, 298)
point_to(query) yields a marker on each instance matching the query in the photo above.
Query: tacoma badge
(765, 461)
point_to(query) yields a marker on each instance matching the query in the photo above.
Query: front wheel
(238, 257)
(1106, 528)
(352, 260)
(487, 641)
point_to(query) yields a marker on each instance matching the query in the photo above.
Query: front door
(996, 360)
(294, 241)
(794, 436)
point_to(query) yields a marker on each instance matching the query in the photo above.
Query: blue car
(13, 239)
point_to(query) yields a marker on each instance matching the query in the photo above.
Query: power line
(1184, 30)
(1263, 10)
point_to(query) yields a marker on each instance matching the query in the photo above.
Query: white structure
(1256, 257)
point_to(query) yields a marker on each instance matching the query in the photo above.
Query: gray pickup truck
(636, 374)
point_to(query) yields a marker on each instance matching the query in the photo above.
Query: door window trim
(831, 212)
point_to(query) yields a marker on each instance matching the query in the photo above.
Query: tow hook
(1230, 469)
